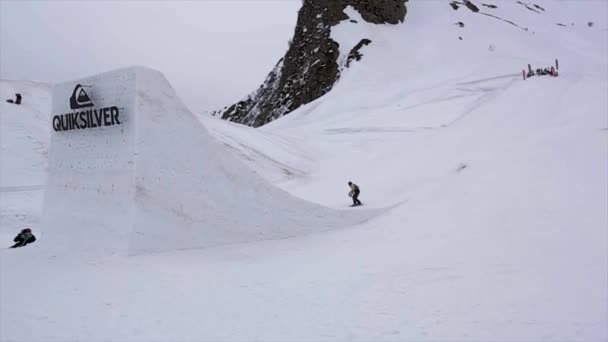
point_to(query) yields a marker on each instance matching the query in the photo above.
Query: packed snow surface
(156, 181)
(497, 189)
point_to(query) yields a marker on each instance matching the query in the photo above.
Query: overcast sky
(213, 52)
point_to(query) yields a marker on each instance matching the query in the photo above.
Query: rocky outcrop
(468, 4)
(310, 67)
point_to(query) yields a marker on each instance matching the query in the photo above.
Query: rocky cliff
(310, 67)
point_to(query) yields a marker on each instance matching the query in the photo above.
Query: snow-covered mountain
(331, 36)
(310, 67)
(497, 188)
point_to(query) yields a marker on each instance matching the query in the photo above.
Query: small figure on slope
(23, 238)
(17, 99)
(354, 193)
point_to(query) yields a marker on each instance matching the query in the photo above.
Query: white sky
(213, 52)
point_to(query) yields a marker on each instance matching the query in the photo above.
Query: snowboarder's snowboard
(356, 205)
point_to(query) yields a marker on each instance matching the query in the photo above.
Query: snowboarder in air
(23, 238)
(354, 193)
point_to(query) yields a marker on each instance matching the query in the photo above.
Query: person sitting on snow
(354, 193)
(17, 99)
(23, 238)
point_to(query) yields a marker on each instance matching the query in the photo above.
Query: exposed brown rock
(310, 67)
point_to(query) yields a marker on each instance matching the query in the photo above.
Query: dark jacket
(354, 189)
(23, 239)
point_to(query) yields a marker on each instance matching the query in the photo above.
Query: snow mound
(152, 178)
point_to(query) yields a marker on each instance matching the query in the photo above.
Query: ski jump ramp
(132, 171)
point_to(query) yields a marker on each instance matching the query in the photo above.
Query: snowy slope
(502, 234)
(276, 157)
(24, 136)
(24, 133)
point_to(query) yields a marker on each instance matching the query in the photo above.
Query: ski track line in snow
(370, 130)
(249, 153)
(482, 80)
(21, 188)
(486, 95)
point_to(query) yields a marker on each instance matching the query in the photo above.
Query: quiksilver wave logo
(80, 98)
(90, 118)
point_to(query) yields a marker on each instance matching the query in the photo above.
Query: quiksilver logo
(80, 98)
(90, 118)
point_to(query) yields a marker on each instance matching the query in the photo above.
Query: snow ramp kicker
(132, 171)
